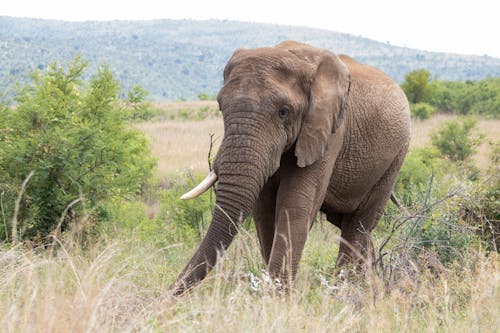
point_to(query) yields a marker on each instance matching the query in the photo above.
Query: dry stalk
(63, 216)
(15, 236)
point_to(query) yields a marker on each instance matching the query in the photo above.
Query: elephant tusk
(201, 187)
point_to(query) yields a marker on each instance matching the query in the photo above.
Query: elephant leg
(299, 197)
(356, 246)
(263, 216)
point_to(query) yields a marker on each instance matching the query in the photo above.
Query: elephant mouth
(202, 187)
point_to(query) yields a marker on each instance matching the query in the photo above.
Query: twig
(210, 151)
(63, 215)
(403, 248)
(210, 166)
(16, 207)
(424, 211)
(4, 218)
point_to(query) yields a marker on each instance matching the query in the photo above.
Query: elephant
(305, 131)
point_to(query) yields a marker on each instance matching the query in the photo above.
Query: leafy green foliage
(453, 212)
(431, 188)
(470, 97)
(454, 139)
(420, 165)
(481, 209)
(191, 214)
(417, 86)
(138, 108)
(74, 135)
(422, 110)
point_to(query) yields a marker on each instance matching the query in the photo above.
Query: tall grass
(119, 287)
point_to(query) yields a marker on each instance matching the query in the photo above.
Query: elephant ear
(327, 102)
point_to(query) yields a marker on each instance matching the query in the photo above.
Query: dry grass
(182, 145)
(177, 106)
(124, 287)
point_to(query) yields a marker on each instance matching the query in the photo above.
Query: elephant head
(288, 99)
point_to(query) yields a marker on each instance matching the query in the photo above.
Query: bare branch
(210, 151)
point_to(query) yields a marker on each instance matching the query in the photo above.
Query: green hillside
(175, 59)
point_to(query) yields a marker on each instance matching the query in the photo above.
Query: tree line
(177, 59)
(428, 95)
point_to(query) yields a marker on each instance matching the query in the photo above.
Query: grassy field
(118, 280)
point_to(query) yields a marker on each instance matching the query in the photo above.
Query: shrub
(446, 236)
(191, 215)
(422, 110)
(419, 166)
(75, 137)
(481, 209)
(454, 139)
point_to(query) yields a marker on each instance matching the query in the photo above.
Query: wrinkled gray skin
(305, 130)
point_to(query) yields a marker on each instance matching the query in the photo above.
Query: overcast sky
(460, 26)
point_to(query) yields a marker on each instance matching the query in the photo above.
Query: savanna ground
(118, 280)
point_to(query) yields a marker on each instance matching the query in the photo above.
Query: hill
(178, 59)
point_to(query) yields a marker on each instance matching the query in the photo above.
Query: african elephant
(304, 130)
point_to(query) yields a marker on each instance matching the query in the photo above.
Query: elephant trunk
(240, 182)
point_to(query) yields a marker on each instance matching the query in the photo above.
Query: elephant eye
(283, 112)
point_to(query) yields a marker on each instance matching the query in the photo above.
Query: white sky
(459, 26)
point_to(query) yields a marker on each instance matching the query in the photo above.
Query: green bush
(446, 236)
(419, 166)
(481, 209)
(194, 215)
(431, 188)
(422, 110)
(74, 135)
(454, 139)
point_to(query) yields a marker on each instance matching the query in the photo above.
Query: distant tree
(471, 97)
(446, 94)
(417, 86)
